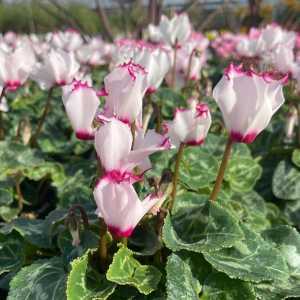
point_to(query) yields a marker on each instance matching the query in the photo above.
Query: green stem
(42, 120)
(220, 176)
(175, 176)
(124, 241)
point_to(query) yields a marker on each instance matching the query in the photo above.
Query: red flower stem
(176, 176)
(221, 173)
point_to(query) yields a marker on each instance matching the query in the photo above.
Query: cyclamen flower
(273, 35)
(68, 40)
(95, 53)
(247, 101)
(113, 143)
(116, 199)
(120, 207)
(283, 59)
(81, 104)
(125, 86)
(155, 59)
(190, 126)
(190, 59)
(15, 67)
(171, 31)
(59, 68)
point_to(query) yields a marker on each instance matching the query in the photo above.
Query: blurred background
(118, 17)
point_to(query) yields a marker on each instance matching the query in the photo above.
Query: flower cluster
(113, 115)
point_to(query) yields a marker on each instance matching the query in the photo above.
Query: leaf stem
(220, 176)
(41, 122)
(175, 176)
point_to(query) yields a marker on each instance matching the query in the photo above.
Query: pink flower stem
(176, 176)
(174, 66)
(220, 176)
(2, 132)
(34, 138)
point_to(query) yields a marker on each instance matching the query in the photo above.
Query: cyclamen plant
(140, 169)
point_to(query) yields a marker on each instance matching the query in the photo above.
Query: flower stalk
(298, 132)
(220, 176)
(173, 78)
(2, 132)
(19, 192)
(42, 120)
(102, 247)
(176, 175)
(188, 73)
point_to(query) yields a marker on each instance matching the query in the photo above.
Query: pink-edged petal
(81, 105)
(113, 142)
(120, 206)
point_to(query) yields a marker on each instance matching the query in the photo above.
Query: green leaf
(242, 173)
(218, 286)
(204, 228)
(181, 284)
(251, 208)
(88, 239)
(126, 270)
(17, 157)
(8, 213)
(44, 279)
(168, 100)
(296, 157)
(250, 259)
(286, 181)
(12, 255)
(215, 145)
(197, 168)
(34, 231)
(77, 285)
(6, 193)
(292, 211)
(144, 241)
(75, 189)
(287, 241)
